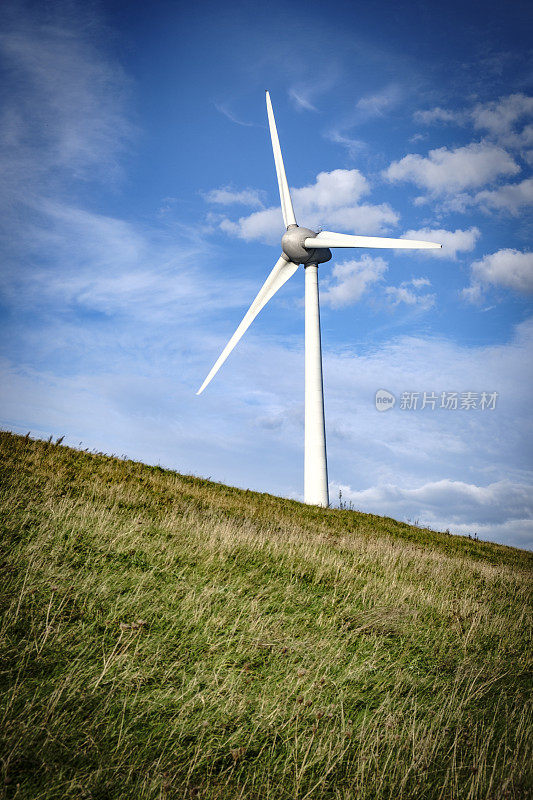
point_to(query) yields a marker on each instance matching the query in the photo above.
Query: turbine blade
(280, 274)
(330, 239)
(285, 197)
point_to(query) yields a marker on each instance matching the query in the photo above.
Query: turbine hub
(292, 244)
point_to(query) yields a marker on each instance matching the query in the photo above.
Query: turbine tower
(304, 246)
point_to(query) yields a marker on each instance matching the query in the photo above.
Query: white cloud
(333, 200)
(522, 141)
(473, 293)
(407, 292)
(502, 121)
(227, 196)
(511, 197)
(266, 226)
(447, 171)
(375, 105)
(411, 449)
(462, 507)
(511, 269)
(438, 115)
(467, 502)
(453, 242)
(364, 218)
(333, 189)
(499, 117)
(351, 279)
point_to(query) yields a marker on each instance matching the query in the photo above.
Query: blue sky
(140, 215)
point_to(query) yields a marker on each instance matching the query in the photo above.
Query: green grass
(168, 637)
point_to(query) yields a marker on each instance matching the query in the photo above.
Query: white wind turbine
(304, 246)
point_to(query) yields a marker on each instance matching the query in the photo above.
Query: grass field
(163, 636)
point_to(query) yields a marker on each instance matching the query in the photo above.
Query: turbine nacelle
(292, 245)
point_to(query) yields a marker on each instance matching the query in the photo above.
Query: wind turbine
(304, 246)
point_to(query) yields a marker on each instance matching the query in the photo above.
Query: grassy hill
(168, 637)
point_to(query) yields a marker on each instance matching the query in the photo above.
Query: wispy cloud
(223, 109)
(306, 92)
(119, 269)
(67, 124)
(353, 146)
(301, 101)
(226, 196)
(366, 109)
(67, 118)
(377, 104)
(432, 116)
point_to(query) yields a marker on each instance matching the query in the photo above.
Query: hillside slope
(168, 637)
